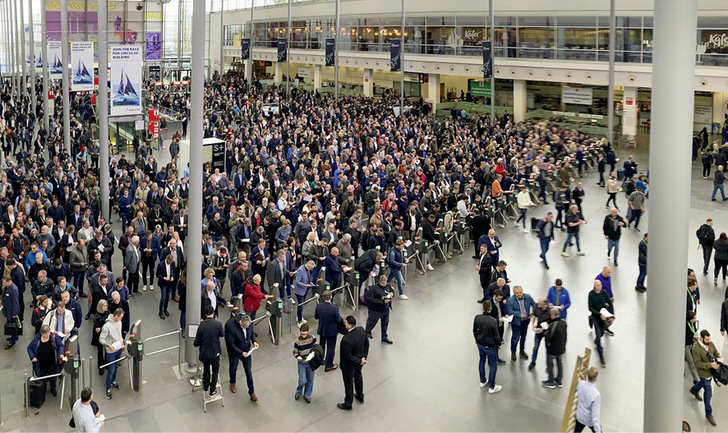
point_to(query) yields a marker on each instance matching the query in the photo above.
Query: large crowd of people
(313, 189)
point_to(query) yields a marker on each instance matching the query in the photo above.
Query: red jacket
(253, 297)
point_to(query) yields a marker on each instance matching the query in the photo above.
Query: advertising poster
(126, 80)
(395, 48)
(82, 66)
(55, 65)
(245, 49)
(330, 51)
(487, 60)
(282, 50)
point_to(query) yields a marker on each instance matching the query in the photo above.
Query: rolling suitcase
(37, 393)
(620, 174)
(534, 224)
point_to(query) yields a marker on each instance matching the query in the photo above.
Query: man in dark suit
(484, 270)
(240, 340)
(166, 271)
(260, 258)
(276, 274)
(328, 318)
(354, 351)
(480, 225)
(208, 340)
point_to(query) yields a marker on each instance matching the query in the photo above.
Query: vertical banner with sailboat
(82, 66)
(55, 65)
(126, 80)
(38, 55)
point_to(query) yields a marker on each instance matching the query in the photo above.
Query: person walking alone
(642, 263)
(589, 402)
(488, 340)
(545, 229)
(612, 229)
(718, 180)
(704, 357)
(706, 238)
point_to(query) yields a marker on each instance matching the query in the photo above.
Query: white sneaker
(430, 268)
(403, 296)
(581, 253)
(298, 324)
(564, 254)
(144, 288)
(304, 321)
(526, 231)
(151, 287)
(495, 389)
(483, 384)
(293, 301)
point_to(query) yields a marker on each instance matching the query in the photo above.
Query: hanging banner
(82, 66)
(487, 60)
(282, 50)
(245, 49)
(395, 51)
(576, 95)
(55, 65)
(38, 55)
(330, 52)
(126, 80)
(154, 46)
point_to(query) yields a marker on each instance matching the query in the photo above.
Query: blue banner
(395, 55)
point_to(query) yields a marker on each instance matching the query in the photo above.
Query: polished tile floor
(427, 380)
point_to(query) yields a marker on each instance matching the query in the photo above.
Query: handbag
(14, 327)
(720, 374)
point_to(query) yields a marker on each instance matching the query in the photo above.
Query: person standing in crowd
(240, 341)
(499, 312)
(721, 257)
(558, 297)
(379, 298)
(642, 263)
(691, 336)
(541, 316)
(574, 219)
(704, 357)
(302, 347)
(588, 403)
(520, 306)
(484, 271)
(11, 304)
(718, 180)
(113, 342)
(328, 318)
(254, 297)
(545, 229)
(46, 353)
(602, 316)
(692, 295)
(488, 340)
(166, 272)
(303, 283)
(132, 261)
(493, 244)
(706, 238)
(555, 335)
(612, 229)
(207, 339)
(353, 353)
(83, 413)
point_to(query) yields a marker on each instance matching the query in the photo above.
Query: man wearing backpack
(706, 237)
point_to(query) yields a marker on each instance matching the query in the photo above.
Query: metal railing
(131, 381)
(37, 379)
(267, 317)
(178, 346)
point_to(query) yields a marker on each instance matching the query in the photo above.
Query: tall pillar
(673, 81)
(278, 72)
(44, 54)
(336, 49)
(222, 39)
(610, 96)
(66, 79)
(251, 33)
(16, 48)
(317, 74)
(102, 104)
(33, 95)
(368, 81)
(6, 36)
(23, 63)
(433, 90)
(194, 240)
(520, 100)
(629, 112)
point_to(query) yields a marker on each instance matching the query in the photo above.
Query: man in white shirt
(588, 403)
(83, 413)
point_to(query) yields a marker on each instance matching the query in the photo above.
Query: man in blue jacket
(333, 268)
(329, 318)
(558, 297)
(520, 306)
(396, 261)
(11, 306)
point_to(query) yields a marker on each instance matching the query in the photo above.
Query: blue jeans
(570, 236)
(522, 217)
(559, 222)
(247, 366)
(717, 187)
(78, 280)
(285, 288)
(125, 220)
(519, 328)
(305, 380)
(111, 373)
(251, 314)
(397, 275)
(491, 354)
(544, 248)
(550, 368)
(164, 298)
(643, 274)
(182, 318)
(536, 344)
(636, 216)
(707, 394)
(299, 310)
(613, 243)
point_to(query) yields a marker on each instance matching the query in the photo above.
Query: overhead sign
(82, 66)
(480, 88)
(126, 80)
(576, 95)
(304, 71)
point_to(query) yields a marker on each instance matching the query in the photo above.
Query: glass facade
(550, 37)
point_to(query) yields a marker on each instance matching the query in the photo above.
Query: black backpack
(703, 235)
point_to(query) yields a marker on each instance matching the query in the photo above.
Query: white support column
(66, 79)
(23, 56)
(629, 112)
(368, 82)
(519, 100)
(433, 90)
(44, 55)
(33, 95)
(278, 72)
(251, 35)
(317, 74)
(673, 90)
(102, 105)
